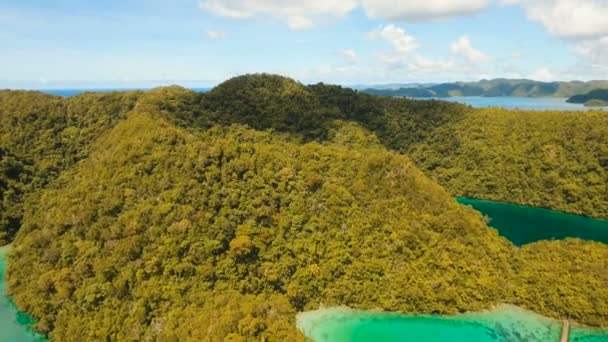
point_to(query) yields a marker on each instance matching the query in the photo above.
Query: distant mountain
(78, 91)
(402, 92)
(392, 86)
(594, 98)
(496, 87)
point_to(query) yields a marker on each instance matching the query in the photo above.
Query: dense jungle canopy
(176, 215)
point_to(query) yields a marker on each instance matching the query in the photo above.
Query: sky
(48, 44)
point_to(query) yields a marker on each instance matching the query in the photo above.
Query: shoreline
(512, 320)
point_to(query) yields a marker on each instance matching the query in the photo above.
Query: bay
(522, 224)
(524, 103)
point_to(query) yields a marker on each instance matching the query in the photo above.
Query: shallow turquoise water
(14, 325)
(505, 324)
(588, 335)
(521, 224)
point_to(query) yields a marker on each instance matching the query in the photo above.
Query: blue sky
(144, 43)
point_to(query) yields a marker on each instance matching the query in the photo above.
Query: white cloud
(426, 65)
(296, 13)
(543, 74)
(397, 37)
(583, 22)
(402, 57)
(216, 34)
(349, 55)
(462, 47)
(594, 51)
(568, 18)
(299, 14)
(420, 9)
(299, 23)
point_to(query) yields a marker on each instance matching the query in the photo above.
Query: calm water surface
(505, 324)
(527, 103)
(521, 224)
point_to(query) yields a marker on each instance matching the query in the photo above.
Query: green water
(14, 325)
(505, 324)
(523, 225)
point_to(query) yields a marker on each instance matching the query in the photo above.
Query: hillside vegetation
(206, 217)
(161, 227)
(555, 160)
(596, 97)
(41, 136)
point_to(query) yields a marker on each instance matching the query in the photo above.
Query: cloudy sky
(142, 43)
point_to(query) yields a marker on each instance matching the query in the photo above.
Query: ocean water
(522, 225)
(504, 324)
(14, 325)
(75, 92)
(526, 103)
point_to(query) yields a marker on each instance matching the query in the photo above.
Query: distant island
(594, 98)
(492, 88)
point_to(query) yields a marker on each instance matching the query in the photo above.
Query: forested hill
(43, 135)
(599, 97)
(556, 160)
(211, 217)
(496, 87)
(170, 232)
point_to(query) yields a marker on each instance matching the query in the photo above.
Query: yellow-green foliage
(564, 279)
(162, 227)
(556, 160)
(206, 217)
(42, 135)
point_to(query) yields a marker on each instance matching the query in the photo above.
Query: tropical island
(594, 98)
(490, 88)
(170, 214)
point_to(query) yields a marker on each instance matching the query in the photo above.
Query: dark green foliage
(600, 96)
(399, 123)
(42, 135)
(267, 101)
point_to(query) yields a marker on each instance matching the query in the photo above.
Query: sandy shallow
(504, 323)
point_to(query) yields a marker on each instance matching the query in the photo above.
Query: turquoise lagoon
(503, 324)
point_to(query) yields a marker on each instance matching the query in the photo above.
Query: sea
(524, 103)
(76, 92)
